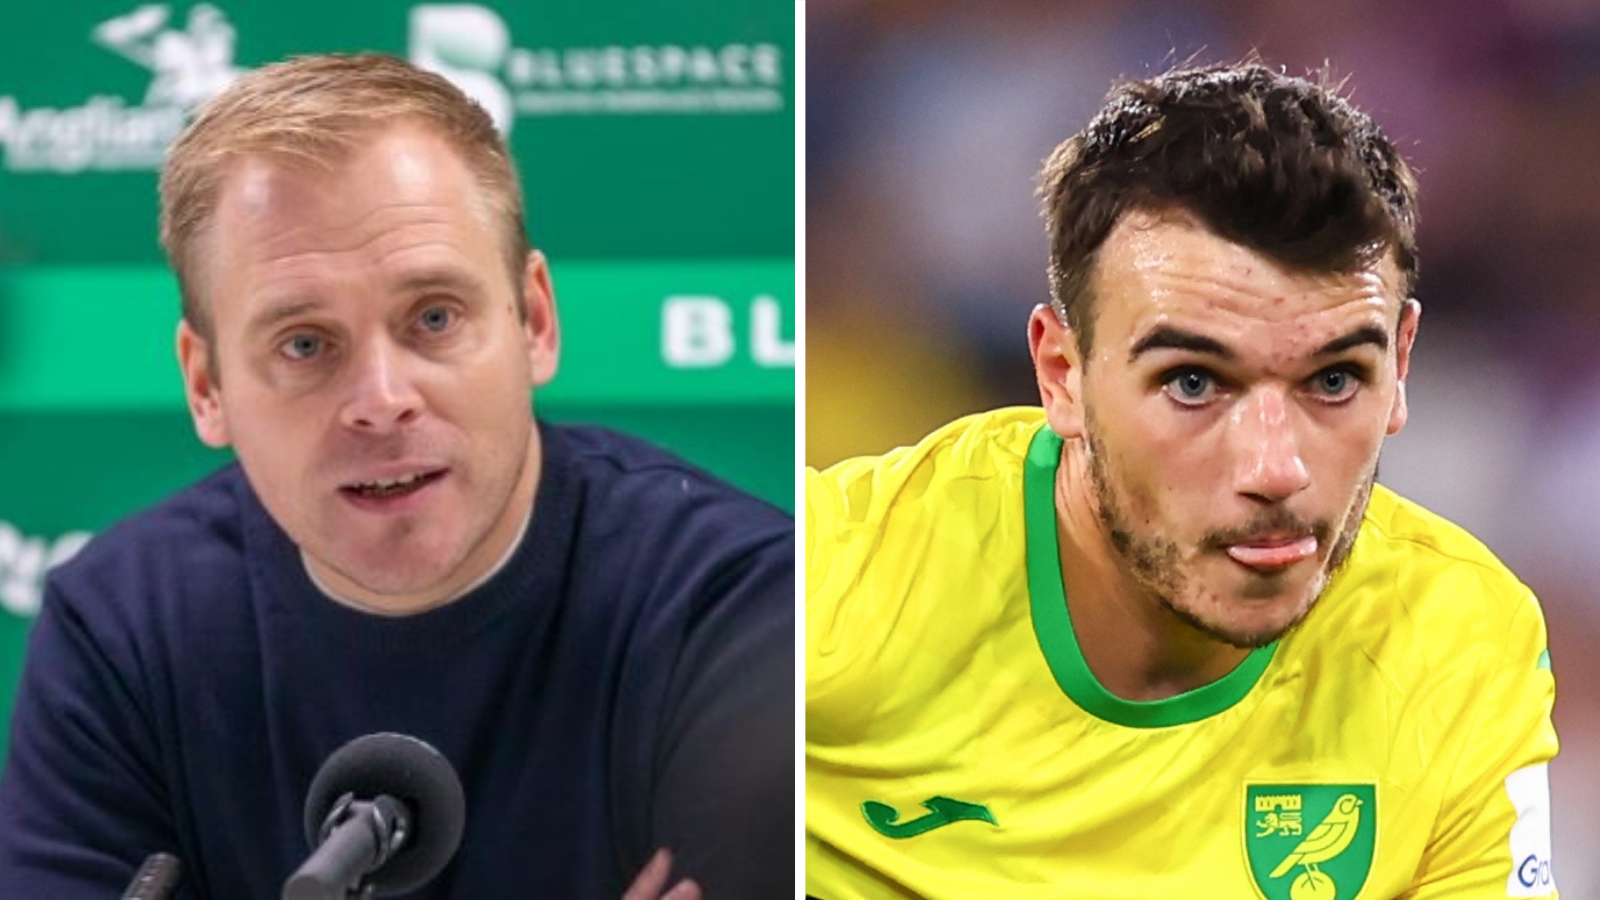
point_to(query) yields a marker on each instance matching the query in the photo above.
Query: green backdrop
(656, 145)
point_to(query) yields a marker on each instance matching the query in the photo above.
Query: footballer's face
(373, 368)
(1232, 411)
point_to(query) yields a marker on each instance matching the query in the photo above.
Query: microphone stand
(156, 879)
(357, 838)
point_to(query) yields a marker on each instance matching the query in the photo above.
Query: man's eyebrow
(1366, 334)
(272, 315)
(436, 279)
(1168, 338)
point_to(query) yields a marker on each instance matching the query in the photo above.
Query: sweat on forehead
(1169, 283)
(1151, 244)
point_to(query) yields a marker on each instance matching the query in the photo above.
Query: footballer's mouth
(1272, 553)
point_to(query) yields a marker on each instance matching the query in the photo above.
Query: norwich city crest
(1310, 841)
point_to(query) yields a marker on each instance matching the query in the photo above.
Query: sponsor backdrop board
(656, 146)
(641, 129)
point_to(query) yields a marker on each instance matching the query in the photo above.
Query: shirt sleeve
(821, 511)
(1492, 837)
(830, 570)
(723, 801)
(82, 801)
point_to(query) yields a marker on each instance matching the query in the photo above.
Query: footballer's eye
(1190, 386)
(1336, 383)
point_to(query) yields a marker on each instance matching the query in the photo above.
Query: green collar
(1053, 625)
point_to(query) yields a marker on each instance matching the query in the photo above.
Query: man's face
(373, 372)
(1233, 411)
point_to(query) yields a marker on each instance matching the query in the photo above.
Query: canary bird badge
(1310, 841)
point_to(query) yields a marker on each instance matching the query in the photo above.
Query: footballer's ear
(1406, 336)
(197, 361)
(1059, 370)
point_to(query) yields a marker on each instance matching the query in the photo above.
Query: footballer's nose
(1269, 463)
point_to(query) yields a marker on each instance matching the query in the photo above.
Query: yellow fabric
(1418, 672)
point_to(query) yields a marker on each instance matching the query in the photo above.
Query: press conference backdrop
(656, 146)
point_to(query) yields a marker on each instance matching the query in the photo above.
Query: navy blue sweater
(625, 682)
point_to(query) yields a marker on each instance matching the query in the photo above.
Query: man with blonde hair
(597, 635)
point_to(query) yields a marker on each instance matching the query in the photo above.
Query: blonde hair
(317, 109)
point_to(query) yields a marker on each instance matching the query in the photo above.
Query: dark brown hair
(1281, 165)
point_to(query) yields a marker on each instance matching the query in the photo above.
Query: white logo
(697, 333)
(188, 67)
(24, 561)
(469, 44)
(1529, 789)
(465, 44)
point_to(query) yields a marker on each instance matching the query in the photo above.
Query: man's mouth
(1271, 553)
(389, 488)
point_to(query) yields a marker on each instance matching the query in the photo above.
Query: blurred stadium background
(656, 147)
(927, 121)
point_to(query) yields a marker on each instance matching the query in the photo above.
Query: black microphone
(383, 816)
(155, 879)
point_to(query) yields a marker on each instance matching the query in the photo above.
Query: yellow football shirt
(957, 746)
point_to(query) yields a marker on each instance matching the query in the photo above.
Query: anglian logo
(188, 65)
(1310, 841)
(470, 45)
(24, 562)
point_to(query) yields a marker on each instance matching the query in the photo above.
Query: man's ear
(1059, 370)
(195, 361)
(543, 329)
(1406, 335)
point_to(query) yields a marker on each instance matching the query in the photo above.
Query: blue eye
(1191, 387)
(437, 319)
(1337, 383)
(302, 345)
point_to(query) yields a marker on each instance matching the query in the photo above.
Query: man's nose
(382, 392)
(1269, 464)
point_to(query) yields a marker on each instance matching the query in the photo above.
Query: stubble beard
(1155, 563)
